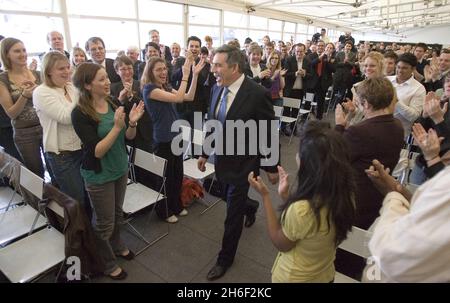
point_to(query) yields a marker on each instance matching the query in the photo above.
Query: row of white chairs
(293, 103)
(30, 246)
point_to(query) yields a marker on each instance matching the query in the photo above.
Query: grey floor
(192, 245)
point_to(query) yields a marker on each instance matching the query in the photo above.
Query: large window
(198, 15)
(24, 28)
(258, 23)
(122, 23)
(202, 31)
(108, 8)
(168, 33)
(124, 34)
(289, 27)
(233, 33)
(275, 25)
(160, 11)
(235, 19)
(47, 6)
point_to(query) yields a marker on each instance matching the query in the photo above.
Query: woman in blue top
(160, 100)
(102, 128)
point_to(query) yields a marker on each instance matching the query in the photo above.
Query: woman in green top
(102, 128)
(315, 219)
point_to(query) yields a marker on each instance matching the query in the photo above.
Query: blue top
(163, 114)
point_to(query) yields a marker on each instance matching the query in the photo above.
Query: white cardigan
(54, 112)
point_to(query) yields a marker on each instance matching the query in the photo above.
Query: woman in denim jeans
(54, 101)
(17, 84)
(102, 128)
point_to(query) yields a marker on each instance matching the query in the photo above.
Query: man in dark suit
(177, 61)
(297, 75)
(95, 47)
(56, 41)
(200, 103)
(163, 49)
(235, 97)
(322, 66)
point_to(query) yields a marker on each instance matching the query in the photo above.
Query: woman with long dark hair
(102, 127)
(319, 213)
(160, 100)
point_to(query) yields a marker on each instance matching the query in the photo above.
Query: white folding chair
(17, 222)
(29, 257)
(8, 197)
(139, 196)
(356, 243)
(293, 103)
(195, 136)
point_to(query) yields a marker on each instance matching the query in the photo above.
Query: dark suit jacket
(326, 79)
(292, 68)
(136, 70)
(252, 102)
(176, 69)
(378, 138)
(167, 53)
(112, 75)
(266, 82)
(204, 82)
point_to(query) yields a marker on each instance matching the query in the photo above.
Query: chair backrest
(278, 111)
(291, 102)
(31, 182)
(357, 242)
(309, 97)
(150, 162)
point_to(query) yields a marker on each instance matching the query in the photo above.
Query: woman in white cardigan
(54, 101)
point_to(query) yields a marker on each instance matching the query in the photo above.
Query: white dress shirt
(298, 84)
(411, 241)
(233, 89)
(54, 112)
(411, 97)
(256, 70)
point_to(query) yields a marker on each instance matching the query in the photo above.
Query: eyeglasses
(125, 69)
(94, 50)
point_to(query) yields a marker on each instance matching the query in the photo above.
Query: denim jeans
(29, 144)
(66, 170)
(107, 201)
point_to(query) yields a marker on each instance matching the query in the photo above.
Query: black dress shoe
(250, 220)
(216, 272)
(121, 276)
(130, 256)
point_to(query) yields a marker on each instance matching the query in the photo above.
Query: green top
(115, 162)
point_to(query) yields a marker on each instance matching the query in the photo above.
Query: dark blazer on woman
(266, 82)
(378, 138)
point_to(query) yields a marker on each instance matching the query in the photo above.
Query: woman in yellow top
(317, 216)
